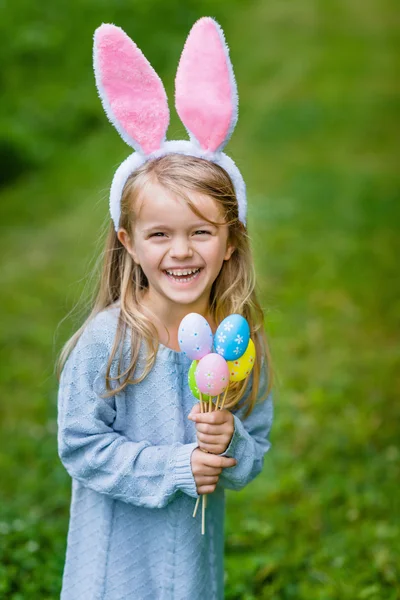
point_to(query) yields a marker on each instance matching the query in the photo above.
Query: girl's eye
(160, 234)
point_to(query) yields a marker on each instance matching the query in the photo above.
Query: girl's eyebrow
(167, 228)
(154, 227)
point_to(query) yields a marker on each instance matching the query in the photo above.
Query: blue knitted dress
(131, 534)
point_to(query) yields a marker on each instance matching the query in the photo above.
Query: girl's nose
(181, 248)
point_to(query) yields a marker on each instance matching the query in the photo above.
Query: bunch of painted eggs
(217, 360)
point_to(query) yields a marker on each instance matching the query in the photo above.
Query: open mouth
(182, 275)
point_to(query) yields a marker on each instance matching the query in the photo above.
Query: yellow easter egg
(240, 368)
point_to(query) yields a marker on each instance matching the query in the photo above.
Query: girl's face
(180, 253)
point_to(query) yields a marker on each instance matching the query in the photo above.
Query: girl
(138, 452)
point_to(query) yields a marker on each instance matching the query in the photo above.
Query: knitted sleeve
(94, 453)
(249, 442)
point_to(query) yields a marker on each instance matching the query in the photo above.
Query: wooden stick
(197, 506)
(203, 497)
(203, 515)
(204, 501)
(224, 398)
(209, 404)
(216, 404)
(198, 499)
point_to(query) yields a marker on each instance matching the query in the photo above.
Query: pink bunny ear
(205, 88)
(131, 92)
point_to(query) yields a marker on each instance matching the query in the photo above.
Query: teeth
(181, 272)
(184, 275)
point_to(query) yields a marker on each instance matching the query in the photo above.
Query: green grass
(316, 142)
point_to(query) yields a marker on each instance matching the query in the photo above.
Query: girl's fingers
(210, 429)
(215, 417)
(212, 461)
(210, 440)
(211, 448)
(206, 489)
(206, 484)
(208, 479)
(211, 471)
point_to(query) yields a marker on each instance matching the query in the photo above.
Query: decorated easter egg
(241, 367)
(192, 382)
(232, 337)
(212, 374)
(195, 336)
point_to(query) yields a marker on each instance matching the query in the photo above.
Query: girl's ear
(206, 97)
(229, 251)
(125, 240)
(131, 92)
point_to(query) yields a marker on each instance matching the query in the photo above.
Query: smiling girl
(178, 235)
(137, 450)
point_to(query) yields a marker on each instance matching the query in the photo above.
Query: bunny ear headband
(135, 102)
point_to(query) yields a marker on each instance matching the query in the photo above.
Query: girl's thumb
(195, 409)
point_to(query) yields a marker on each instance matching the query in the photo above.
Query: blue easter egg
(232, 337)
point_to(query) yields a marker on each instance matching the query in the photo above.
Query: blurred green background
(317, 143)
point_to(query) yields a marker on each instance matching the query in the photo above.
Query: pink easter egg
(212, 374)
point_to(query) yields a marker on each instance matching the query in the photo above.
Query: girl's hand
(214, 429)
(207, 468)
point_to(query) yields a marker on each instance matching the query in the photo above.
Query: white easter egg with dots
(195, 336)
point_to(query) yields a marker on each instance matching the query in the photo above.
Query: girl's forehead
(159, 204)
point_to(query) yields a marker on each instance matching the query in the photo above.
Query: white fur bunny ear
(131, 92)
(205, 88)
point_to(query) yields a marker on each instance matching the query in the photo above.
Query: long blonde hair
(122, 279)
